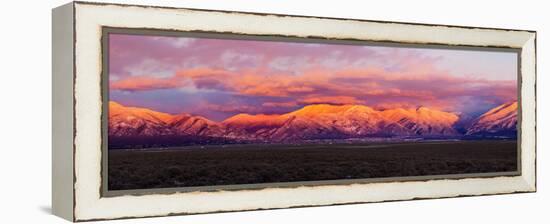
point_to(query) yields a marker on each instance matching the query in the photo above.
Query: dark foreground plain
(252, 164)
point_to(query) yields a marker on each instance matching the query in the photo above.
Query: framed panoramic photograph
(162, 111)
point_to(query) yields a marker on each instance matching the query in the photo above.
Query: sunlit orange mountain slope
(499, 120)
(320, 121)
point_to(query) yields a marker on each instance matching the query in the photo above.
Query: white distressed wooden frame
(77, 118)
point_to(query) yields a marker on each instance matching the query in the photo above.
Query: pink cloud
(279, 104)
(269, 75)
(233, 108)
(373, 86)
(337, 100)
(143, 83)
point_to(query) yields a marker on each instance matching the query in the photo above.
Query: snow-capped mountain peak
(499, 120)
(312, 122)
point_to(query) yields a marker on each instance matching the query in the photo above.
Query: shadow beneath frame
(45, 209)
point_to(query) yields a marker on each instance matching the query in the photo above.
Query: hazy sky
(218, 78)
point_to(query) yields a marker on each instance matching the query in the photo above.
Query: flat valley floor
(253, 164)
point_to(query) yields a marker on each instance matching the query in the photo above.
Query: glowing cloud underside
(220, 78)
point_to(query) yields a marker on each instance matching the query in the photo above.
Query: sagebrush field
(269, 163)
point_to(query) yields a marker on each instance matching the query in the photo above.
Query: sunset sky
(218, 78)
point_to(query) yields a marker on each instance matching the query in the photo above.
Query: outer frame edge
(126, 217)
(62, 112)
(298, 16)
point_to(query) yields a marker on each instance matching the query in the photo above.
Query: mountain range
(142, 126)
(501, 120)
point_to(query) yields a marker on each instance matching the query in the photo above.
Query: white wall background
(25, 112)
